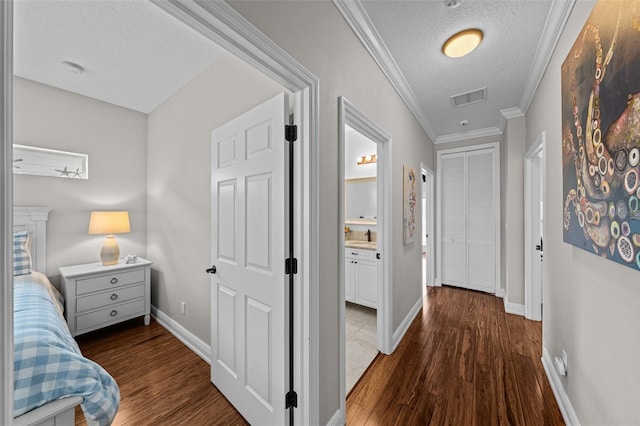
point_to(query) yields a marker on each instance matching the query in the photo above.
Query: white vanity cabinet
(361, 277)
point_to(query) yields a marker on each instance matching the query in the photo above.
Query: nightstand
(96, 296)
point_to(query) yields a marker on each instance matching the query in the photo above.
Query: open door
(249, 311)
(533, 222)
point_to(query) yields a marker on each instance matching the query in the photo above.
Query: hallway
(463, 361)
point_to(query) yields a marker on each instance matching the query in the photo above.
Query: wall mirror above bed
(30, 160)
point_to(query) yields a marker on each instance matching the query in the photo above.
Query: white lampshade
(109, 223)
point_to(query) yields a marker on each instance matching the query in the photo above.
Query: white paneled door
(469, 217)
(248, 323)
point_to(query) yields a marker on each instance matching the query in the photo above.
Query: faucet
(369, 235)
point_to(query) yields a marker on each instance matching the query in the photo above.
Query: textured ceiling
(414, 31)
(134, 54)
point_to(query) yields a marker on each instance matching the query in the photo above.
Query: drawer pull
(355, 254)
(114, 313)
(114, 280)
(114, 296)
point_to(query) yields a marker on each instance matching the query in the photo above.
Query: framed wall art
(409, 200)
(601, 134)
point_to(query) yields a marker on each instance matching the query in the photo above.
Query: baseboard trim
(406, 322)
(185, 336)
(564, 403)
(337, 419)
(513, 308)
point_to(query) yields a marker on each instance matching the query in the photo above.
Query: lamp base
(110, 251)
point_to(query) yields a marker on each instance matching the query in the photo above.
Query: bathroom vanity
(361, 273)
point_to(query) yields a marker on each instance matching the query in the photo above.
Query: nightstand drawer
(100, 300)
(113, 314)
(106, 282)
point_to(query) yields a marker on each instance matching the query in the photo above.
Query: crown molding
(508, 114)
(553, 27)
(357, 18)
(464, 136)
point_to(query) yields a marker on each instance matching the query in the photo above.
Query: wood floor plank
(162, 382)
(467, 362)
(463, 361)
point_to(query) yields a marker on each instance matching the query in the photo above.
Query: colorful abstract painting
(409, 199)
(601, 134)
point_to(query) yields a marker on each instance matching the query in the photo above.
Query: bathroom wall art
(409, 199)
(601, 134)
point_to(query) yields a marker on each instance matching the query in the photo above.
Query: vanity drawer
(359, 254)
(108, 315)
(118, 295)
(105, 282)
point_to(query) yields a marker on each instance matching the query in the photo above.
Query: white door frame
(222, 24)
(349, 114)
(431, 279)
(533, 192)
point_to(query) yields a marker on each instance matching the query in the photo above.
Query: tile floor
(361, 341)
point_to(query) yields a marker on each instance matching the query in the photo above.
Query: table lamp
(109, 223)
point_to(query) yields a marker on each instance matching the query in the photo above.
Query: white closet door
(453, 197)
(481, 248)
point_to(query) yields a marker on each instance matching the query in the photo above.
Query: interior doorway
(364, 237)
(534, 229)
(428, 257)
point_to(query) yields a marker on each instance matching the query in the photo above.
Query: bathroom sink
(366, 245)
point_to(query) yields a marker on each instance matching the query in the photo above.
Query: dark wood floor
(162, 382)
(463, 361)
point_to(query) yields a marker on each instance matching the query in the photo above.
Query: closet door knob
(212, 270)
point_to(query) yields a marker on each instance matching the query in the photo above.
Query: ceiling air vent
(469, 97)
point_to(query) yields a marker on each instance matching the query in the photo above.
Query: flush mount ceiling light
(73, 68)
(462, 43)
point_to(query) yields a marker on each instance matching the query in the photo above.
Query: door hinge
(291, 266)
(291, 133)
(291, 399)
(377, 255)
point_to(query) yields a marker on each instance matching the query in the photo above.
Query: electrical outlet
(183, 308)
(565, 360)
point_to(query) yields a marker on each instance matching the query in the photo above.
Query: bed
(51, 377)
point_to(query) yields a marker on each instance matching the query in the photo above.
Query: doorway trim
(349, 114)
(533, 191)
(222, 24)
(6, 213)
(431, 278)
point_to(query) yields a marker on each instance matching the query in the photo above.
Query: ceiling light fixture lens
(451, 4)
(462, 43)
(74, 68)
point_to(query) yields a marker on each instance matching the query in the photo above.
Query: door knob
(212, 270)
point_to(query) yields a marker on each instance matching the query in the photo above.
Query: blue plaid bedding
(47, 361)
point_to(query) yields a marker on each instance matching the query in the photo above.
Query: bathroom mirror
(361, 200)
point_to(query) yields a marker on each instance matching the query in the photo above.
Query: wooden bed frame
(62, 411)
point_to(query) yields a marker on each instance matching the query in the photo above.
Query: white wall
(115, 140)
(319, 38)
(513, 212)
(591, 305)
(179, 184)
